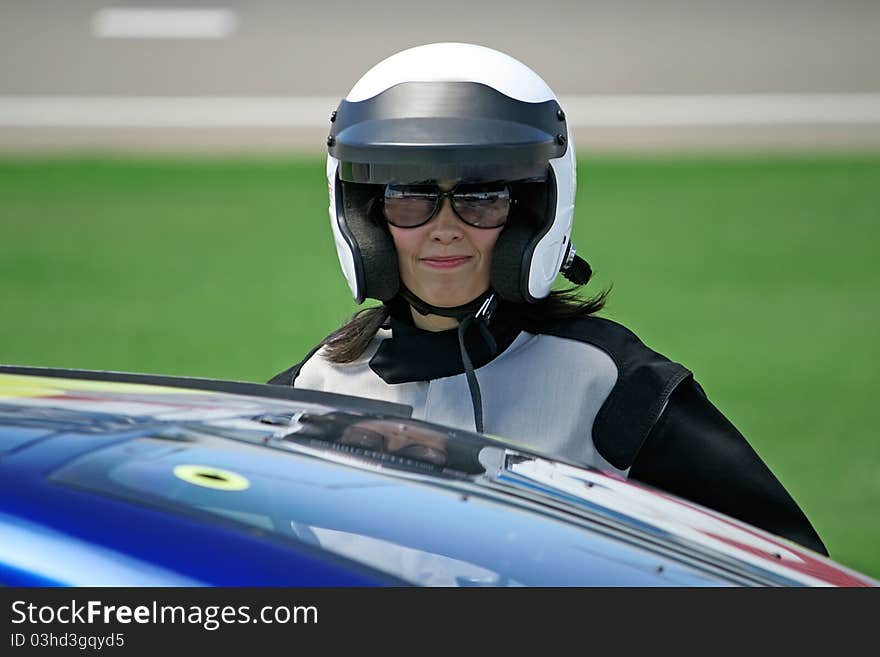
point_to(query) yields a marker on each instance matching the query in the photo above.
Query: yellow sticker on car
(210, 477)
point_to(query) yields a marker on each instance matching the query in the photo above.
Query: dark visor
(421, 131)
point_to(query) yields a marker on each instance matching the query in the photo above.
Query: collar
(413, 354)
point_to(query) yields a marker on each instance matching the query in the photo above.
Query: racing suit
(584, 390)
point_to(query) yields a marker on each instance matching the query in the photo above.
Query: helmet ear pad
(506, 274)
(378, 274)
(512, 256)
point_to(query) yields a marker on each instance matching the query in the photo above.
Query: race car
(124, 479)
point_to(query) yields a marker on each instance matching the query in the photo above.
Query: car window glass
(360, 511)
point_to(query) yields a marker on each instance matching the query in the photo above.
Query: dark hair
(348, 342)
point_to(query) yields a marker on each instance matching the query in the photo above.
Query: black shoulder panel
(645, 380)
(288, 376)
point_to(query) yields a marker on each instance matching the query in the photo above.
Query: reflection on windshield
(404, 444)
(426, 568)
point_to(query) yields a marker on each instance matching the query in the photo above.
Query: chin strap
(479, 312)
(456, 312)
(481, 317)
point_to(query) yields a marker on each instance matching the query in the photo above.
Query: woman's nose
(446, 226)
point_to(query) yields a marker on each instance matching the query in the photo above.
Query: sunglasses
(480, 206)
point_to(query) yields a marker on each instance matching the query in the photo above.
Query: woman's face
(445, 262)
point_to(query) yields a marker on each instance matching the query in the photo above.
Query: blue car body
(109, 479)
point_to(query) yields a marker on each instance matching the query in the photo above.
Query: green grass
(759, 274)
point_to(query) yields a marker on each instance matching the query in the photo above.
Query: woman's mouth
(445, 262)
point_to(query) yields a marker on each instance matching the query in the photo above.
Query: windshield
(419, 529)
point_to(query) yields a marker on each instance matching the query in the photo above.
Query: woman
(451, 171)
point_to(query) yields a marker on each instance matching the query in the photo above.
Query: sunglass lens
(407, 210)
(483, 209)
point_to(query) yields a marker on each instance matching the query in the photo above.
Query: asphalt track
(311, 52)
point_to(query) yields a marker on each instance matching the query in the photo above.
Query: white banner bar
(163, 23)
(314, 111)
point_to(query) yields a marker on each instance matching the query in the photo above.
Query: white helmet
(452, 111)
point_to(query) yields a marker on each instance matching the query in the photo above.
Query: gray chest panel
(543, 392)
